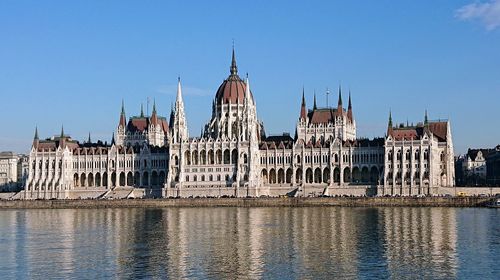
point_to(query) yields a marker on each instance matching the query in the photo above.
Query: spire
(154, 116)
(426, 120)
(340, 98)
(234, 68)
(62, 139)
(303, 105)
(142, 111)
(35, 139)
(314, 104)
(340, 110)
(179, 124)
(389, 125)
(113, 139)
(349, 108)
(172, 115)
(248, 94)
(88, 140)
(179, 89)
(122, 116)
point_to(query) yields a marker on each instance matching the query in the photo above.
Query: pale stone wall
(251, 202)
(469, 191)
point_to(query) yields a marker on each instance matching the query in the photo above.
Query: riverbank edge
(251, 202)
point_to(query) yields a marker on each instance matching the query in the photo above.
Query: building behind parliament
(155, 155)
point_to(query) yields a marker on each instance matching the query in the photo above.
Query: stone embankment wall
(251, 202)
(479, 190)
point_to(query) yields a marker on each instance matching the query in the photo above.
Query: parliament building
(154, 156)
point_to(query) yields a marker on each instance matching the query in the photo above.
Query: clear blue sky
(72, 62)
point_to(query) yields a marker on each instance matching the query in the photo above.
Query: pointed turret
(340, 97)
(179, 90)
(142, 111)
(62, 138)
(389, 125)
(426, 120)
(123, 120)
(172, 116)
(250, 114)
(154, 116)
(89, 140)
(180, 131)
(247, 91)
(349, 108)
(314, 102)
(303, 113)
(234, 68)
(35, 139)
(113, 139)
(340, 110)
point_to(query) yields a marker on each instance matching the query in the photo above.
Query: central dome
(232, 90)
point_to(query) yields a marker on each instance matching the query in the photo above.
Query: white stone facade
(233, 157)
(417, 164)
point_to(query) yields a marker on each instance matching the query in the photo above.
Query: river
(251, 243)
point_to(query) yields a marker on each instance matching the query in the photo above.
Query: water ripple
(250, 243)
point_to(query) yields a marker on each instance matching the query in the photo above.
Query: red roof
(326, 115)
(137, 124)
(439, 129)
(141, 124)
(405, 134)
(231, 90)
(322, 116)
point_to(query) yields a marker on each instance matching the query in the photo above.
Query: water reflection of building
(327, 241)
(421, 241)
(251, 243)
